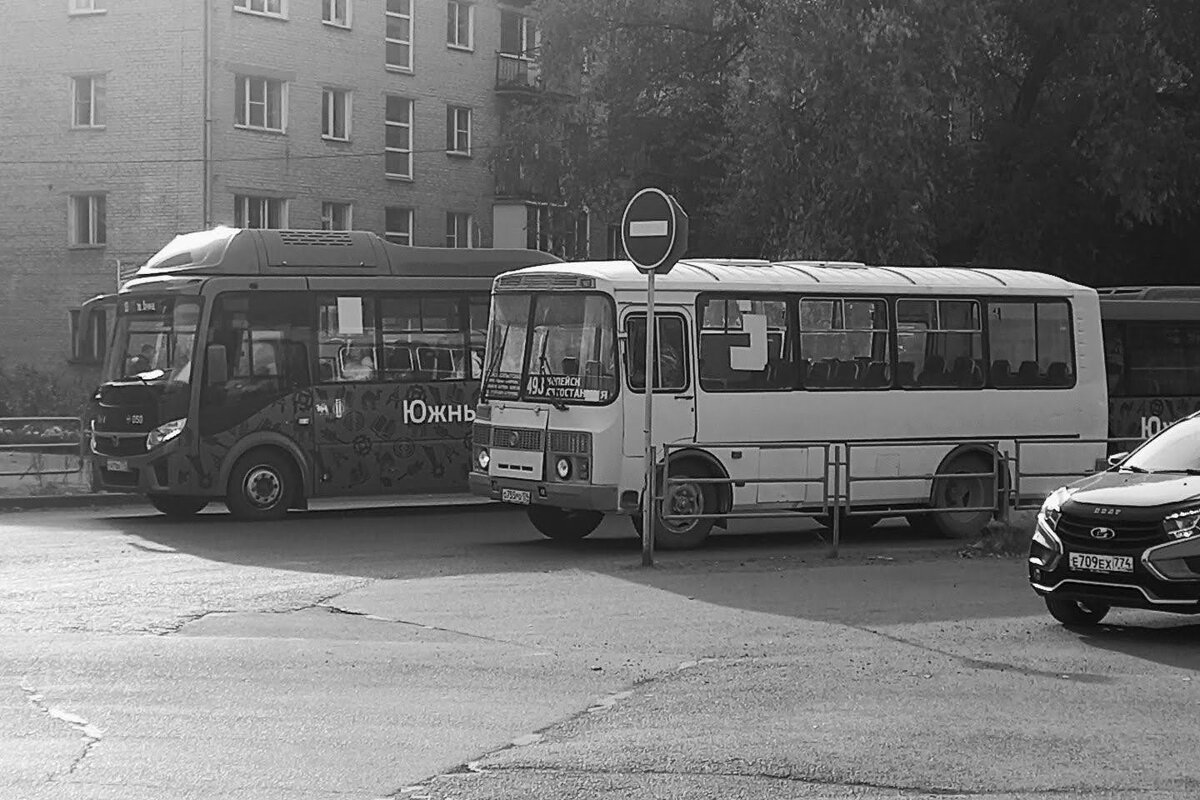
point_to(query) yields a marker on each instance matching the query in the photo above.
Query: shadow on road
(1170, 643)
(758, 566)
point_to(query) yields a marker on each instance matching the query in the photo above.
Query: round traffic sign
(654, 230)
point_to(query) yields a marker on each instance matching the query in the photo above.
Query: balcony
(525, 76)
(520, 178)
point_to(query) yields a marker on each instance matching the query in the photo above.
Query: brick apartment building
(128, 121)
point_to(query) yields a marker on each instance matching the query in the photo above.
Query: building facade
(129, 121)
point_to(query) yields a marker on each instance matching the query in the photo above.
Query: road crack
(91, 733)
(334, 609)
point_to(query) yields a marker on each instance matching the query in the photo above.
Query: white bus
(914, 373)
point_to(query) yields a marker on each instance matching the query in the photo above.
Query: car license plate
(1093, 562)
(117, 466)
(518, 496)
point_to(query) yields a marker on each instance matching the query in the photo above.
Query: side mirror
(216, 369)
(1116, 458)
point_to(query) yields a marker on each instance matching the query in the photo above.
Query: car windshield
(558, 347)
(1176, 449)
(154, 340)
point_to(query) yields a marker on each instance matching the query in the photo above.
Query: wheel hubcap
(685, 498)
(263, 488)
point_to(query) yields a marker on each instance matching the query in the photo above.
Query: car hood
(1135, 490)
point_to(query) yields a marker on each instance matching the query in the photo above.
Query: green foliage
(26, 391)
(1062, 135)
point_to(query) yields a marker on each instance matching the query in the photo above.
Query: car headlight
(1051, 509)
(164, 433)
(483, 458)
(1183, 524)
(563, 468)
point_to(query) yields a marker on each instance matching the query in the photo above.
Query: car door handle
(685, 397)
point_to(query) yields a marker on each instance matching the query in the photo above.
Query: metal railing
(32, 439)
(1002, 484)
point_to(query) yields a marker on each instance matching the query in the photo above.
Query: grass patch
(1004, 539)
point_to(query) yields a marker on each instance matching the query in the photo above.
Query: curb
(30, 502)
(101, 499)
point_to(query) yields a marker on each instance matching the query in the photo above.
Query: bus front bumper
(143, 473)
(540, 493)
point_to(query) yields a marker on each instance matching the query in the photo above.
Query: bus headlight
(563, 468)
(482, 458)
(164, 433)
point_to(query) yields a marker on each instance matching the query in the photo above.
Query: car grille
(571, 442)
(517, 438)
(109, 444)
(1127, 536)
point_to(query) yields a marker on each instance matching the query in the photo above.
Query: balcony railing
(517, 73)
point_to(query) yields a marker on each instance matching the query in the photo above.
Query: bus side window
(346, 338)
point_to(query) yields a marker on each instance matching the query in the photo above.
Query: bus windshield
(154, 340)
(559, 348)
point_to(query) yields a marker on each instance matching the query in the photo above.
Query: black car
(1128, 537)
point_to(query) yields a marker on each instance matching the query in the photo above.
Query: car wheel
(178, 506)
(564, 524)
(683, 498)
(262, 486)
(1071, 611)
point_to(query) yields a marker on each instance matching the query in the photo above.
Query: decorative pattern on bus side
(363, 438)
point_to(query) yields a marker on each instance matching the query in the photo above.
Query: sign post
(654, 232)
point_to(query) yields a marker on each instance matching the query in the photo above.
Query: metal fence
(1003, 482)
(28, 443)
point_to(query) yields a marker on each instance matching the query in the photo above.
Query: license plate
(117, 466)
(1091, 562)
(518, 496)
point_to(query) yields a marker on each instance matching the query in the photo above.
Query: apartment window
(399, 35)
(87, 99)
(459, 25)
(261, 103)
(259, 212)
(86, 226)
(398, 138)
(84, 7)
(458, 229)
(336, 12)
(398, 224)
(336, 216)
(458, 130)
(335, 115)
(518, 34)
(268, 8)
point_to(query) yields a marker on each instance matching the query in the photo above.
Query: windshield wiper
(1124, 468)
(1186, 471)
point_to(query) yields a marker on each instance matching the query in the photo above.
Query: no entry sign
(654, 231)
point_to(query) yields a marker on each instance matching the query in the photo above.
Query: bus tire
(949, 492)
(262, 485)
(564, 524)
(178, 506)
(698, 498)
(852, 524)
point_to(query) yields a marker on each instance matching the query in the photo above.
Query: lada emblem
(1103, 533)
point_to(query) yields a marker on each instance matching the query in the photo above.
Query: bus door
(675, 390)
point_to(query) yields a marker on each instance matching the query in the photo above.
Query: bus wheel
(1069, 611)
(683, 498)
(564, 524)
(852, 524)
(970, 492)
(261, 486)
(178, 506)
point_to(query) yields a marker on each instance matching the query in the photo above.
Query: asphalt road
(441, 652)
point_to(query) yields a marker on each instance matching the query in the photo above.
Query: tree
(1053, 134)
